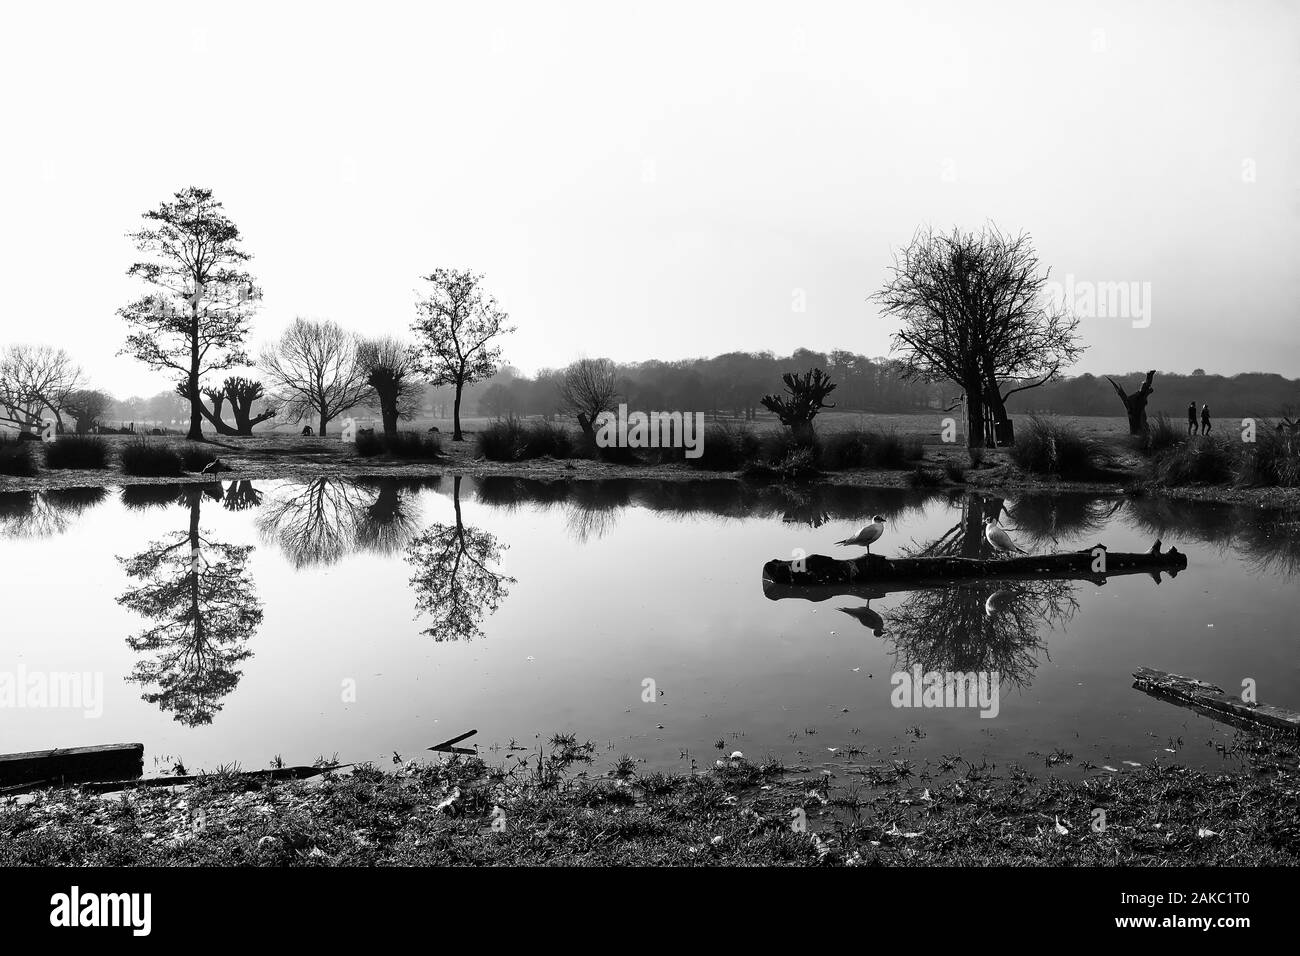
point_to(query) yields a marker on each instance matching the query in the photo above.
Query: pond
(368, 618)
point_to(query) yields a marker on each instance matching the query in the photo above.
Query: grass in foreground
(538, 812)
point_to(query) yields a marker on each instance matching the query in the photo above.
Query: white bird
(868, 534)
(998, 539)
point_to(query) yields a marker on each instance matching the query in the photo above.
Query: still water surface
(365, 618)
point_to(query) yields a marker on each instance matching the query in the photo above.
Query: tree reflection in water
(980, 627)
(454, 582)
(200, 594)
(41, 514)
(325, 519)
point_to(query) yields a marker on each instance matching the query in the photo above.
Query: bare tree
(35, 379)
(313, 370)
(974, 311)
(391, 369)
(195, 319)
(456, 326)
(588, 388)
(242, 393)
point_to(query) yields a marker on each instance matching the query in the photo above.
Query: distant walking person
(1205, 419)
(1191, 419)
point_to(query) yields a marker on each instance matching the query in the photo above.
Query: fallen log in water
(72, 764)
(1212, 700)
(876, 573)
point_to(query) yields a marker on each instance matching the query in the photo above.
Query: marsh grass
(145, 459)
(77, 451)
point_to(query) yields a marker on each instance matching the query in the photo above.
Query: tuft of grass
(16, 457)
(922, 477)
(1160, 436)
(196, 459)
(1272, 460)
(77, 451)
(726, 447)
(1052, 447)
(1208, 460)
(411, 446)
(511, 439)
(865, 448)
(955, 472)
(145, 459)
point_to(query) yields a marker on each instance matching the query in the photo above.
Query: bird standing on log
(998, 539)
(868, 534)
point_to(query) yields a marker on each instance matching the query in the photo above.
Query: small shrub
(955, 472)
(1050, 447)
(799, 464)
(779, 443)
(412, 446)
(976, 456)
(77, 451)
(922, 477)
(146, 459)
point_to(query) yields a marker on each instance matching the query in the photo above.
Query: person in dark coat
(1205, 419)
(1191, 419)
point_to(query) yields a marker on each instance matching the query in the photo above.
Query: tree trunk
(196, 399)
(455, 433)
(1135, 405)
(320, 432)
(974, 418)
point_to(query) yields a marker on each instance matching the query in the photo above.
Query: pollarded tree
(242, 393)
(805, 396)
(588, 389)
(389, 367)
(457, 326)
(974, 310)
(314, 371)
(194, 319)
(87, 406)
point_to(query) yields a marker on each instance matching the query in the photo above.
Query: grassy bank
(737, 813)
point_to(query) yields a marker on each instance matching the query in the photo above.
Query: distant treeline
(732, 384)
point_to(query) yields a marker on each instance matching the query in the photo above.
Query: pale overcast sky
(664, 180)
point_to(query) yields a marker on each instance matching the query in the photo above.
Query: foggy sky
(665, 180)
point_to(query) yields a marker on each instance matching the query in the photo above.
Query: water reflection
(198, 592)
(454, 579)
(981, 627)
(324, 520)
(33, 514)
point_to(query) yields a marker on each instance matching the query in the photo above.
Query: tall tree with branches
(974, 311)
(457, 327)
(313, 370)
(194, 319)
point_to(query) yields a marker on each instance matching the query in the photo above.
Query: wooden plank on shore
(73, 764)
(1213, 700)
